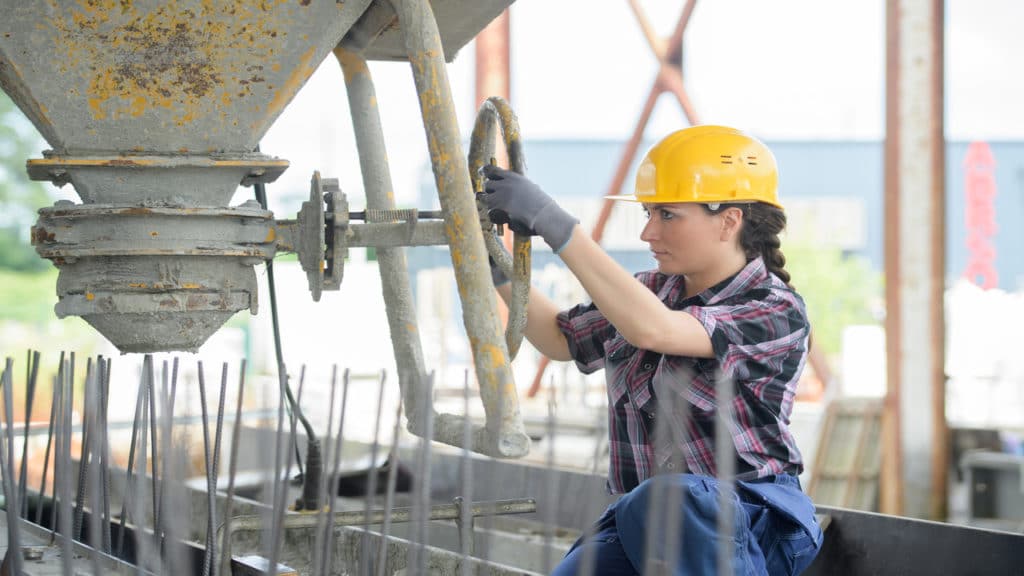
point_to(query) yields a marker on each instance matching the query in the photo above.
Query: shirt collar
(753, 274)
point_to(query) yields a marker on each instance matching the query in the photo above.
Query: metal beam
(914, 457)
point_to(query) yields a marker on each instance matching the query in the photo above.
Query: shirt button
(648, 365)
(670, 466)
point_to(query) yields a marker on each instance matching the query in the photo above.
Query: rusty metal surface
(152, 180)
(67, 231)
(503, 436)
(914, 459)
(458, 22)
(496, 113)
(82, 69)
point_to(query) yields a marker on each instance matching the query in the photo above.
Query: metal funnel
(181, 77)
(153, 110)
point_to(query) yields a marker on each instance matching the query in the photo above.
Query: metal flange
(323, 262)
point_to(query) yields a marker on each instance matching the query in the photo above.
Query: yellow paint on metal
(194, 59)
(191, 286)
(154, 234)
(271, 235)
(303, 70)
(138, 285)
(352, 65)
(90, 296)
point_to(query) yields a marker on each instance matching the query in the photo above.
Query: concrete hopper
(153, 110)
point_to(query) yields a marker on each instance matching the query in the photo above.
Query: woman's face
(685, 239)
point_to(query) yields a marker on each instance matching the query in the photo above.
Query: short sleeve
(586, 330)
(753, 333)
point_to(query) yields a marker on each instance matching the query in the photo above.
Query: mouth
(658, 254)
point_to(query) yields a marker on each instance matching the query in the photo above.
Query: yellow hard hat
(707, 164)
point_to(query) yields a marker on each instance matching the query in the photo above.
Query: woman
(719, 306)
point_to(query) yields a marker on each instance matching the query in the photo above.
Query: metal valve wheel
(493, 114)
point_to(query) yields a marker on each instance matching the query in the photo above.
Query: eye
(665, 214)
(647, 213)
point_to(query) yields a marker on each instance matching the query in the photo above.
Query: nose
(650, 231)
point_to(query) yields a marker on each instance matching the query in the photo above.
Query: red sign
(980, 189)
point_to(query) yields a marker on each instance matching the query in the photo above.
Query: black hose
(311, 476)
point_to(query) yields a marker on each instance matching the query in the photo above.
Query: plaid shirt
(759, 331)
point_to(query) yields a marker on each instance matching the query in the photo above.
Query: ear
(732, 222)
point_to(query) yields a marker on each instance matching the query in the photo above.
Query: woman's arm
(636, 312)
(541, 325)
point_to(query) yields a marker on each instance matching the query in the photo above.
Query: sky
(581, 69)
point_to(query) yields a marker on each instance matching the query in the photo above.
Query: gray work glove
(513, 199)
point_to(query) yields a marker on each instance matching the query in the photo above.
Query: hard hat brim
(624, 198)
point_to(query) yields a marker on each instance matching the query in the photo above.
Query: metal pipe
(496, 113)
(914, 459)
(504, 435)
(394, 269)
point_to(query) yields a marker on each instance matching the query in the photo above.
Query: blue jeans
(775, 533)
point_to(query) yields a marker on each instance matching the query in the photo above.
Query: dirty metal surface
(458, 22)
(84, 70)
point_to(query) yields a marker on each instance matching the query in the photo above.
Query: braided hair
(759, 236)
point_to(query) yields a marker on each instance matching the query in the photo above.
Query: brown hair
(759, 236)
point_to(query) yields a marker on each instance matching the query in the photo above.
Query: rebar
(32, 372)
(105, 452)
(725, 463)
(328, 556)
(421, 499)
(7, 463)
(129, 486)
(55, 401)
(465, 521)
(211, 489)
(389, 492)
(280, 500)
(83, 463)
(321, 527)
(236, 433)
(65, 478)
(371, 484)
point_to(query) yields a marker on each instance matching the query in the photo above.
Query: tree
(20, 197)
(839, 290)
